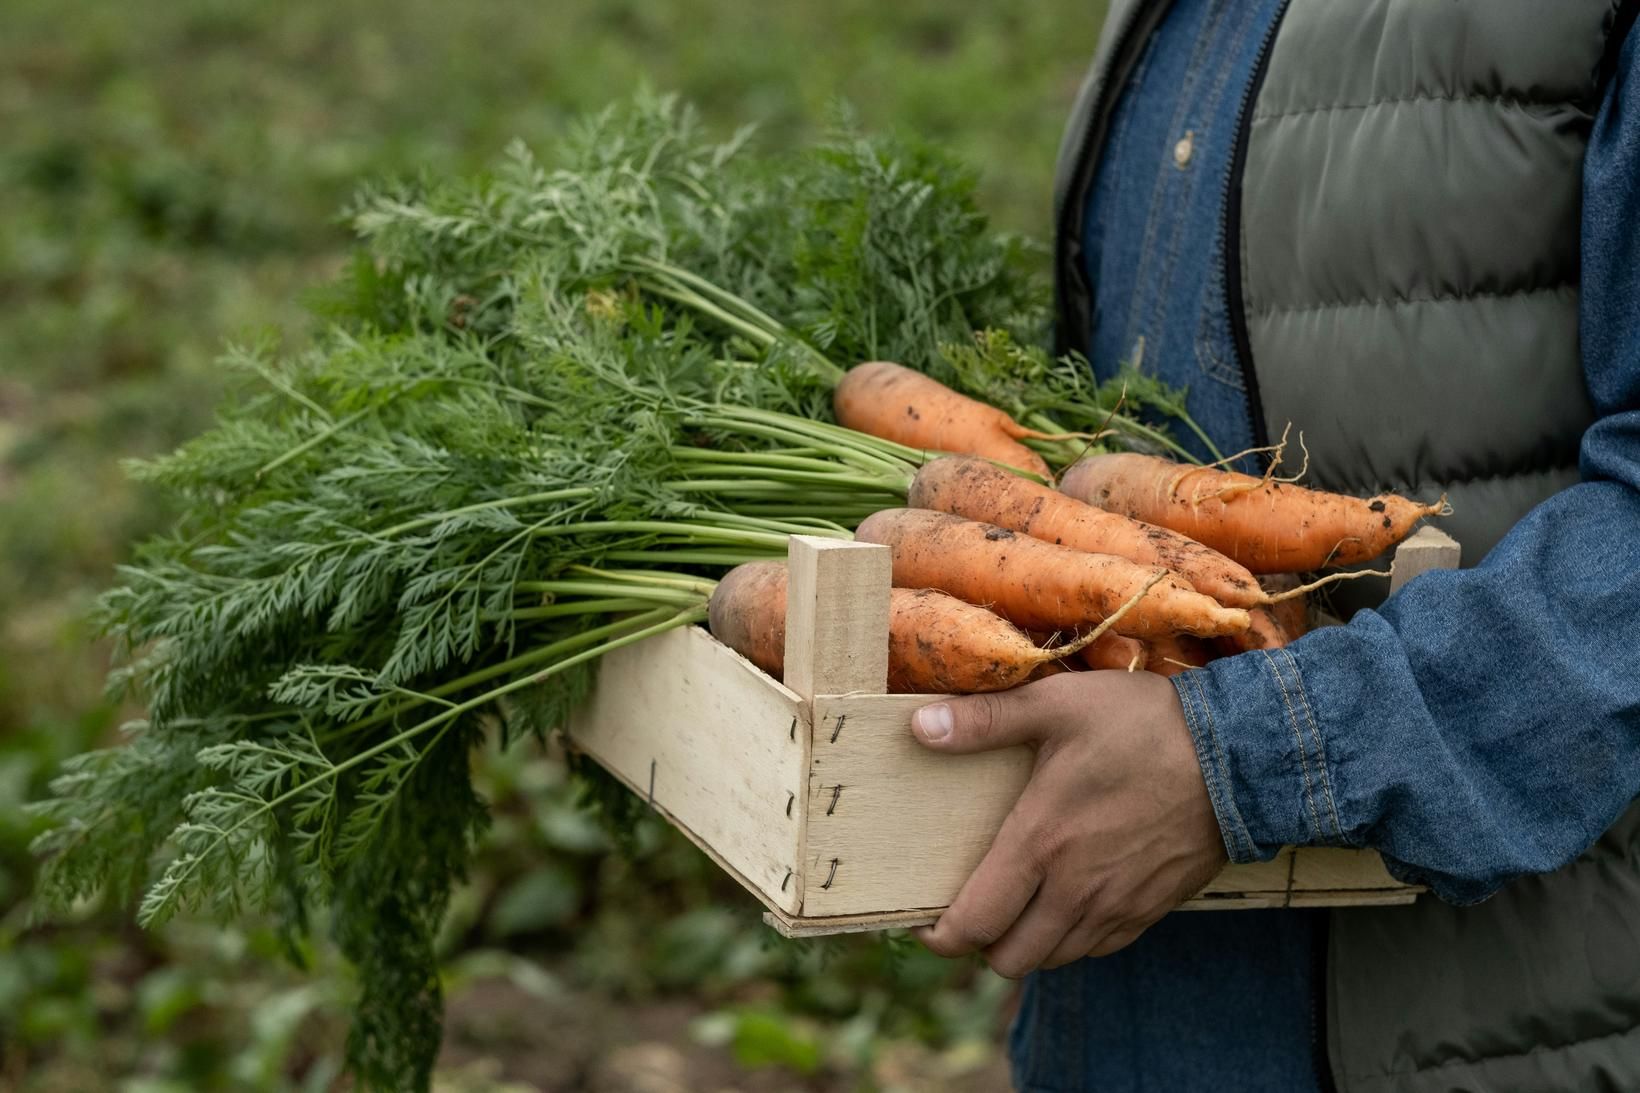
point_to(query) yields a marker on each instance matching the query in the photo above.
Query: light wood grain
(1426, 549)
(836, 616)
(801, 926)
(1230, 900)
(1274, 875)
(817, 797)
(1400, 895)
(721, 745)
(1320, 869)
(904, 825)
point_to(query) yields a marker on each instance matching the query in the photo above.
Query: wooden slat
(1319, 869)
(1274, 875)
(720, 747)
(799, 926)
(1426, 549)
(844, 823)
(904, 825)
(1228, 899)
(1400, 895)
(836, 616)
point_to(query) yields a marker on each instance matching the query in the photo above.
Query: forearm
(1484, 724)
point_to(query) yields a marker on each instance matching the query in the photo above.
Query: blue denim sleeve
(1485, 723)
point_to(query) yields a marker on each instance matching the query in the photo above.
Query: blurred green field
(169, 179)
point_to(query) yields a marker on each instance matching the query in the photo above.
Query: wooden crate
(814, 795)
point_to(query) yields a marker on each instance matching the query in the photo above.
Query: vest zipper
(1231, 226)
(1069, 276)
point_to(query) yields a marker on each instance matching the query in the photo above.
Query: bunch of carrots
(435, 521)
(1131, 562)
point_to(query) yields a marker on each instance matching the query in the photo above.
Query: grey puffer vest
(1404, 286)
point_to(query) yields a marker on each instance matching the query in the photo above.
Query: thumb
(986, 722)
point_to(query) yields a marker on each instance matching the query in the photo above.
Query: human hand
(1113, 831)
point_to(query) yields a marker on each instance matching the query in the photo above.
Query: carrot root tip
(1329, 579)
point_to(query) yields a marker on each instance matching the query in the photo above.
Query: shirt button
(1183, 150)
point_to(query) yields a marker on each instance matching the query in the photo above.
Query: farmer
(1410, 228)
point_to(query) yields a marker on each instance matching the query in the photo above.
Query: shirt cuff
(1262, 753)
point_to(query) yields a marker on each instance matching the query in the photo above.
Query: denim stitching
(1183, 185)
(1303, 758)
(1320, 743)
(1218, 780)
(1155, 206)
(1303, 751)
(1298, 738)
(1213, 324)
(1117, 142)
(1210, 772)
(1315, 733)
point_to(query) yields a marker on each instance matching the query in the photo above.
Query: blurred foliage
(171, 175)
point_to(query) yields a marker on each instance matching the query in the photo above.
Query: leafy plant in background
(506, 455)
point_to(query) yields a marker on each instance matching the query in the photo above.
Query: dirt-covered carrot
(892, 402)
(1267, 525)
(937, 644)
(747, 612)
(1176, 653)
(1111, 651)
(1052, 668)
(1115, 652)
(1040, 585)
(1292, 614)
(980, 490)
(1266, 632)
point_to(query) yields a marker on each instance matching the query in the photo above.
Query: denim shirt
(1483, 724)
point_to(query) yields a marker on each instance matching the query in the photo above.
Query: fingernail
(934, 723)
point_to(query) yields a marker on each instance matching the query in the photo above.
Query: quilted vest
(1404, 289)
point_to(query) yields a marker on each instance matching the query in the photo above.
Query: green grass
(170, 176)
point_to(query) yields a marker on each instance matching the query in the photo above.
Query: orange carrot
(980, 490)
(1040, 585)
(747, 612)
(1267, 525)
(1265, 633)
(937, 644)
(1115, 652)
(1111, 652)
(1292, 614)
(1052, 668)
(895, 403)
(1176, 653)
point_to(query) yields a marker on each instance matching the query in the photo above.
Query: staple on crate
(790, 797)
(652, 783)
(838, 730)
(787, 881)
(794, 729)
(836, 792)
(833, 874)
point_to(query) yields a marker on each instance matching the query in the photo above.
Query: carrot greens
(543, 410)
